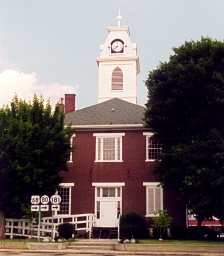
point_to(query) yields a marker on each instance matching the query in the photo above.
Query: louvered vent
(117, 79)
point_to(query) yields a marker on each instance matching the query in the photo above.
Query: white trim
(149, 134)
(100, 142)
(153, 185)
(108, 184)
(71, 143)
(108, 126)
(67, 184)
(110, 135)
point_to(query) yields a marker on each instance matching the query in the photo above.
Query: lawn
(219, 242)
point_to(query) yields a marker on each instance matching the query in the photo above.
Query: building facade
(111, 168)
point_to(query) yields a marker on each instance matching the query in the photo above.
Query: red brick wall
(133, 171)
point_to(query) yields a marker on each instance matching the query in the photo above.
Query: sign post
(55, 200)
(43, 207)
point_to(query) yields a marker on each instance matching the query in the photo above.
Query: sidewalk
(98, 247)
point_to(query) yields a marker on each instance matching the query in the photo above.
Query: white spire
(119, 18)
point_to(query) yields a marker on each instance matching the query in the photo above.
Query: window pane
(97, 209)
(150, 200)
(109, 149)
(99, 148)
(64, 205)
(154, 148)
(111, 192)
(157, 199)
(105, 192)
(117, 79)
(118, 192)
(98, 192)
(118, 149)
(118, 208)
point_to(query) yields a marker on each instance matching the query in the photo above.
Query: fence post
(11, 233)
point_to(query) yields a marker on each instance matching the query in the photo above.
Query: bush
(133, 225)
(66, 230)
(161, 222)
(179, 232)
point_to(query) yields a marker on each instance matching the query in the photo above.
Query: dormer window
(117, 79)
(117, 46)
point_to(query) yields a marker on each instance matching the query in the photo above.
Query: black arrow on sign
(35, 208)
(55, 207)
(44, 207)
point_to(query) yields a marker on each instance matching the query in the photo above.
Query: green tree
(185, 109)
(161, 222)
(34, 148)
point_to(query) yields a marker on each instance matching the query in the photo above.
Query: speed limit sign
(35, 199)
(44, 199)
(55, 199)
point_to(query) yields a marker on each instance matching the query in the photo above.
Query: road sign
(35, 199)
(44, 208)
(35, 208)
(44, 199)
(55, 199)
(55, 207)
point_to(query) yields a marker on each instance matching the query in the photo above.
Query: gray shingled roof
(114, 111)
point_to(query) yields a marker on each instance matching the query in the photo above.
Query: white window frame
(99, 137)
(67, 185)
(71, 153)
(148, 135)
(153, 186)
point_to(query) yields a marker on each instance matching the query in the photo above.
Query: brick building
(110, 171)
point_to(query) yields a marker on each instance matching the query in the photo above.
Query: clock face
(117, 46)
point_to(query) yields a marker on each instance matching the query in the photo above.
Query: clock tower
(118, 66)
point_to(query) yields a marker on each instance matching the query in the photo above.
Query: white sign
(34, 208)
(44, 199)
(55, 207)
(55, 199)
(35, 199)
(44, 208)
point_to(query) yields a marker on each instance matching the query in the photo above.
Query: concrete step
(93, 245)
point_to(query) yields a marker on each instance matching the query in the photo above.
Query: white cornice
(115, 29)
(120, 58)
(109, 126)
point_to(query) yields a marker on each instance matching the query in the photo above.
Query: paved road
(69, 254)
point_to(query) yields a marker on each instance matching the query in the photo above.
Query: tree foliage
(185, 109)
(34, 148)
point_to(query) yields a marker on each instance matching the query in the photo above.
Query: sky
(49, 47)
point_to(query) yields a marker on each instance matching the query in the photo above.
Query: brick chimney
(69, 103)
(62, 106)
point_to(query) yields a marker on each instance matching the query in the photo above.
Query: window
(108, 147)
(65, 192)
(117, 79)
(71, 142)
(154, 198)
(153, 147)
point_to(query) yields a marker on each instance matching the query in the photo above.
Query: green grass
(181, 242)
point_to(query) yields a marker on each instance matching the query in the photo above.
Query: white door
(108, 214)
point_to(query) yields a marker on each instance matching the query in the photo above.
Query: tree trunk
(199, 222)
(2, 225)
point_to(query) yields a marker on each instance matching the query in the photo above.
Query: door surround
(108, 194)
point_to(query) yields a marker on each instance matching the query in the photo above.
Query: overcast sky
(50, 47)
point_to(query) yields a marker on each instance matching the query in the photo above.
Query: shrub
(179, 232)
(133, 225)
(66, 230)
(161, 221)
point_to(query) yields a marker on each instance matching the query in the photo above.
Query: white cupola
(118, 66)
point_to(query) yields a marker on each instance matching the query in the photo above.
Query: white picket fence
(23, 228)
